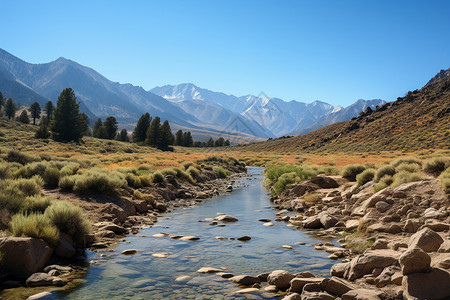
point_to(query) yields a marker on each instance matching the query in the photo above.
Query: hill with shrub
(419, 120)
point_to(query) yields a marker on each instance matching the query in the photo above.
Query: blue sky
(333, 51)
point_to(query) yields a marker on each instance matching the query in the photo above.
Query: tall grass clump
(34, 225)
(411, 168)
(36, 168)
(436, 166)
(383, 171)
(68, 218)
(27, 187)
(133, 180)
(406, 160)
(5, 171)
(366, 176)
(445, 180)
(284, 182)
(351, 171)
(69, 169)
(405, 177)
(193, 171)
(21, 158)
(183, 175)
(221, 172)
(186, 164)
(302, 172)
(51, 176)
(383, 183)
(93, 180)
(158, 177)
(35, 204)
(67, 183)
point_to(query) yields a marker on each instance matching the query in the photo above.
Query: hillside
(420, 120)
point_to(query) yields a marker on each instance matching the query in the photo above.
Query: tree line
(65, 123)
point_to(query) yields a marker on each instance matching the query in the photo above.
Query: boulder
(426, 239)
(366, 263)
(114, 210)
(294, 296)
(337, 286)
(431, 286)
(339, 269)
(324, 182)
(411, 226)
(328, 221)
(208, 270)
(111, 227)
(61, 269)
(129, 251)
(65, 247)
(24, 256)
(312, 222)
(414, 260)
(352, 224)
(244, 238)
(316, 295)
(297, 284)
(363, 294)
(226, 218)
(280, 278)
(43, 279)
(380, 244)
(245, 280)
(437, 226)
(382, 206)
(141, 206)
(105, 234)
(445, 247)
(301, 189)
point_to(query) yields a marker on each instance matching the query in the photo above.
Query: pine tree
(166, 136)
(24, 117)
(96, 127)
(10, 108)
(1, 100)
(140, 131)
(50, 109)
(179, 138)
(154, 133)
(220, 142)
(187, 139)
(102, 133)
(67, 124)
(123, 136)
(35, 110)
(86, 128)
(111, 127)
(42, 132)
(227, 143)
(210, 143)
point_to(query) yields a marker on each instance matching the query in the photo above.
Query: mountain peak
(441, 75)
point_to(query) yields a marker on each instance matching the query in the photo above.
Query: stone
(437, 226)
(432, 286)
(65, 247)
(352, 224)
(39, 295)
(280, 278)
(328, 221)
(312, 222)
(110, 226)
(161, 207)
(264, 220)
(380, 244)
(24, 256)
(337, 286)
(226, 218)
(244, 238)
(287, 247)
(245, 280)
(268, 224)
(371, 259)
(61, 269)
(208, 270)
(263, 276)
(225, 275)
(363, 294)
(297, 284)
(324, 182)
(315, 295)
(160, 234)
(414, 260)
(270, 289)
(426, 239)
(141, 206)
(294, 296)
(382, 206)
(105, 234)
(247, 291)
(397, 278)
(182, 278)
(189, 238)
(161, 255)
(411, 226)
(43, 279)
(129, 252)
(339, 269)
(445, 247)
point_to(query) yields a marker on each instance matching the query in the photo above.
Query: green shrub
(69, 169)
(158, 177)
(68, 218)
(169, 171)
(21, 158)
(183, 175)
(351, 171)
(302, 172)
(312, 198)
(383, 171)
(186, 164)
(404, 177)
(284, 182)
(436, 166)
(366, 176)
(20, 173)
(133, 180)
(93, 180)
(445, 180)
(35, 204)
(36, 168)
(146, 180)
(221, 172)
(51, 176)
(5, 171)
(406, 160)
(27, 187)
(193, 171)
(411, 168)
(11, 201)
(34, 225)
(67, 183)
(383, 183)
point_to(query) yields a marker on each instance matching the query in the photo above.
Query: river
(143, 276)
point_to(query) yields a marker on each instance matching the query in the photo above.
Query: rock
(445, 247)
(363, 294)
(160, 234)
(175, 236)
(305, 275)
(10, 284)
(99, 245)
(161, 207)
(398, 194)
(189, 238)
(225, 275)
(54, 273)
(244, 238)
(437, 226)
(161, 255)
(226, 218)
(264, 220)
(315, 295)
(339, 269)
(414, 260)
(411, 226)
(432, 286)
(129, 251)
(39, 295)
(43, 279)
(397, 278)
(312, 222)
(268, 224)
(371, 259)
(64, 248)
(61, 269)
(114, 210)
(247, 291)
(324, 182)
(208, 270)
(287, 247)
(294, 296)
(141, 206)
(337, 286)
(382, 206)
(426, 239)
(297, 284)
(245, 280)
(327, 220)
(263, 276)
(280, 278)
(24, 256)
(105, 234)
(270, 289)
(110, 226)
(380, 244)
(182, 278)
(352, 224)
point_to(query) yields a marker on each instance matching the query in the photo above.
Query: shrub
(273, 173)
(68, 218)
(139, 195)
(350, 171)
(69, 169)
(406, 160)
(146, 180)
(445, 180)
(51, 176)
(34, 225)
(383, 183)
(169, 171)
(5, 171)
(404, 177)
(312, 198)
(11, 201)
(193, 171)
(21, 158)
(36, 168)
(21, 173)
(133, 180)
(94, 180)
(183, 175)
(67, 183)
(411, 168)
(186, 164)
(383, 171)
(27, 187)
(284, 182)
(158, 177)
(436, 166)
(35, 204)
(366, 176)
(221, 172)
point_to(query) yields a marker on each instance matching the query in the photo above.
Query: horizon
(304, 51)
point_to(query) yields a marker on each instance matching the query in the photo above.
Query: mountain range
(205, 113)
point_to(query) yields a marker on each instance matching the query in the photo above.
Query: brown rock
(363, 294)
(426, 239)
(437, 226)
(245, 280)
(111, 227)
(294, 296)
(280, 278)
(43, 279)
(324, 182)
(244, 238)
(339, 269)
(445, 247)
(65, 247)
(431, 286)
(411, 226)
(371, 259)
(306, 295)
(337, 286)
(327, 220)
(226, 218)
(297, 284)
(414, 260)
(312, 222)
(141, 206)
(129, 251)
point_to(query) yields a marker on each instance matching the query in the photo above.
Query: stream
(143, 276)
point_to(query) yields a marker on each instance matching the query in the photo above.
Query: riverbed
(144, 276)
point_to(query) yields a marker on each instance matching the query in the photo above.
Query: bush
(366, 176)
(51, 176)
(351, 171)
(35, 204)
(284, 182)
(133, 180)
(146, 180)
(312, 198)
(67, 183)
(404, 177)
(21, 173)
(34, 225)
(221, 172)
(68, 218)
(36, 168)
(183, 175)
(11, 201)
(69, 169)
(186, 164)
(273, 173)
(411, 168)
(27, 187)
(5, 171)
(21, 158)
(383, 183)
(445, 180)
(436, 166)
(406, 160)
(383, 171)
(101, 182)
(158, 177)
(169, 171)
(193, 171)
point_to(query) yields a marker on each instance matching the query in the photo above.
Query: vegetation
(445, 180)
(221, 172)
(366, 176)
(10, 108)
(35, 111)
(34, 225)
(384, 171)
(351, 171)
(24, 117)
(436, 166)
(140, 131)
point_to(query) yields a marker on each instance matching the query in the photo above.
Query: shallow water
(143, 276)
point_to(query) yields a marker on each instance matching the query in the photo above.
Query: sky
(332, 51)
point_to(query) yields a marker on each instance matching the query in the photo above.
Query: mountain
(441, 75)
(420, 120)
(341, 114)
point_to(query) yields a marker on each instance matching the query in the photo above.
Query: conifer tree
(96, 127)
(42, 132)
(210, 143)
(220, 142)
(86, 128)
(227, 143)
(1, 100)
(123, 136)
(140, 131)
(154, 133)
(187, 139)
(166, 136)
(24, 117)
(67, 124)
(111, 127)
(179, 138)
(35, 110)
(50, 109)
(10, 108)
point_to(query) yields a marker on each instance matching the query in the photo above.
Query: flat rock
(337, 286)
(129, 251)
(264, 220)
(426, 239)
(110, 226)
(297, 284)
(160, 235)
(339, 269)
(244, 238)
(371, 259)
(225, 275)
(245, 280)
(363, 294)
(268, 224)
(208, 270)
(432, 286)
(183, 278)
(161, 255)
(43, 279)
(293, 296)
(247, 291)
(226, 218)
(189, 238)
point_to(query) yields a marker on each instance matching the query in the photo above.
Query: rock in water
(129, 251)
(226, 218)
(280, 278)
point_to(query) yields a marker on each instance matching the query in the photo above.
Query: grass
(34, 225)
(366, 176)
(351, 171)
(221, 172)
(384, 171)
(445, 180)
(436, 166)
